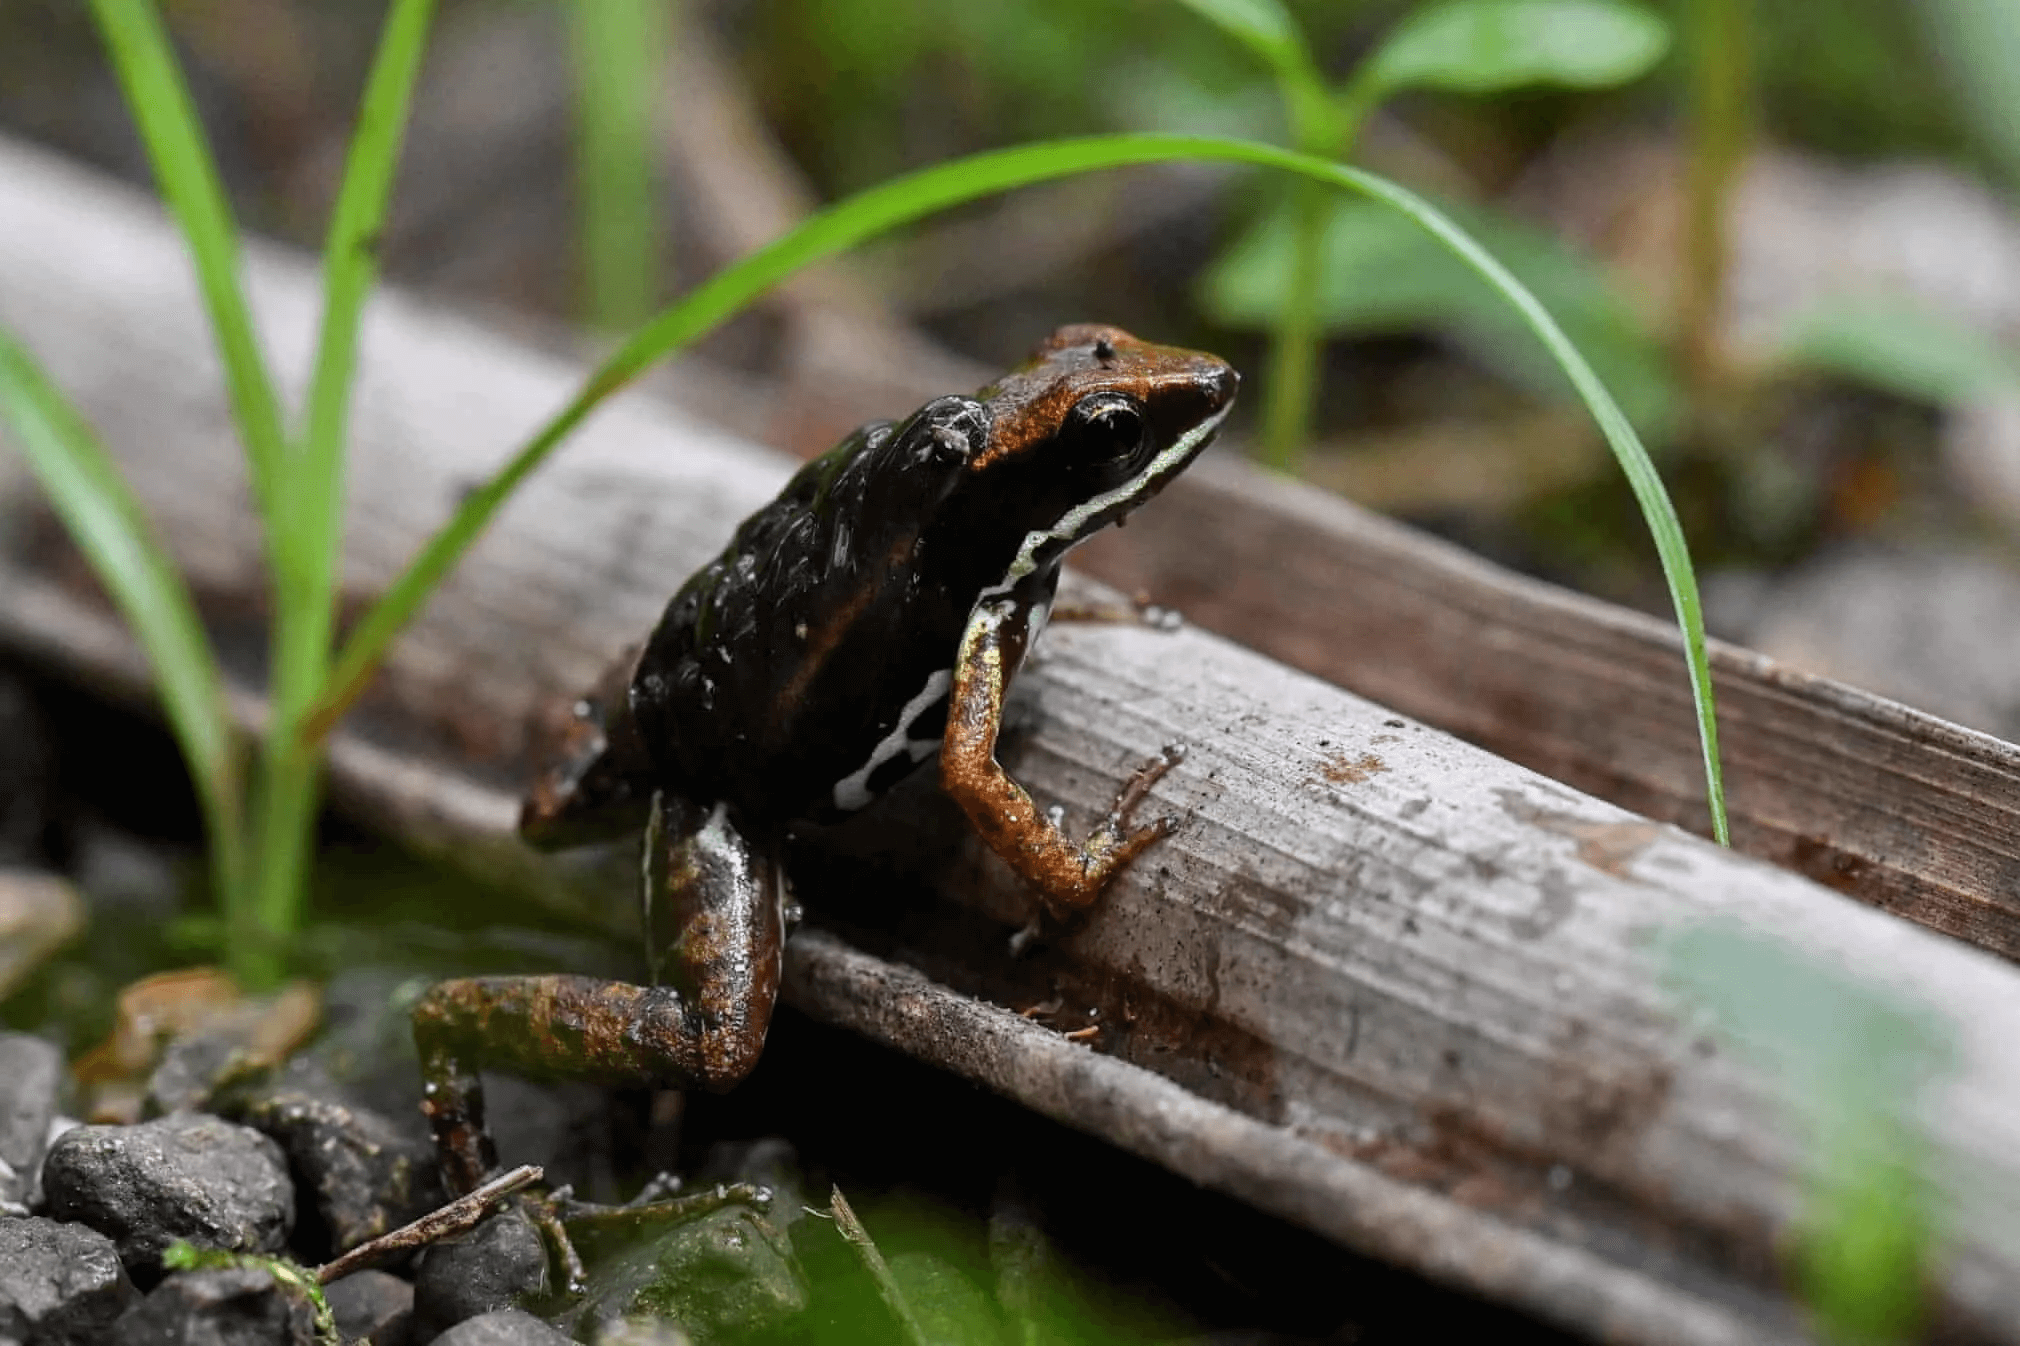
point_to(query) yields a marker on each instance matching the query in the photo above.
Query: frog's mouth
(1042, 546)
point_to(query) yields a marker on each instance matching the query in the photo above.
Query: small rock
(190, 1176)
(226, 1307)
(503, 1327)
(60, 1284)
(730, 1271)
(31, 1086)
(38, 915)
(371, 1307)
(491, 1267)
(365, 1175)
(367, 1041)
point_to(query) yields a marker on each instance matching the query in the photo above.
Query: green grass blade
(1642, 478)
(902, 200)
(305, 532)
(350, 267)
(105, 520)
(188, 179)
(1266, 28)
(619, 49)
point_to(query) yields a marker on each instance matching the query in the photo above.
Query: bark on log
(1380, 982)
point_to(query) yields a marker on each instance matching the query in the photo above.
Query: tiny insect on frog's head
(1091, 427)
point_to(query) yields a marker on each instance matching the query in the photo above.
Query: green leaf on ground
(1902, 347)
(1488, 46)
(1853, 1061)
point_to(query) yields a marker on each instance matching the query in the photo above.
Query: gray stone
(364, 1175)
(60, 1284)
(372, 1307)
(190, 1176)
(226, 1307)
(503, 1327)
(31, 1087)
(728, 1272)
(494, 1266)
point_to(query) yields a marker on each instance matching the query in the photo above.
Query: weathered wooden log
(1379, 982)
(1875, 799)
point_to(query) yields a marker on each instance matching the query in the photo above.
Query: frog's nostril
(1226, 383)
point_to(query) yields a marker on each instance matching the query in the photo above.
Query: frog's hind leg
(719, 899)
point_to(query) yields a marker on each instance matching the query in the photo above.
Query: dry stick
(463, 1213)
(880, 1271)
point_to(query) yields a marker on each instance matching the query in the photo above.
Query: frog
(867, 620)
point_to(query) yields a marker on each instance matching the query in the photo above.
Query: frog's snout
(1222, 385)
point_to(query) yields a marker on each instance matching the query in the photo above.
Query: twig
(465, 1212)
(880, 1271)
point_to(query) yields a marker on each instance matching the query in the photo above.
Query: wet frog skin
(867, 619)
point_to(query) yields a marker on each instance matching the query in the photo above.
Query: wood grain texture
(1379, 981)
(1894, 807)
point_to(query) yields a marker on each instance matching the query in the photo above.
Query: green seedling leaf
(619, 49)
(1490, 46)
(1263, 26)
(350, 268)
(108, 526)
(902, 200)
(1383, 274)
(1853, 1061)
(1902, 347)
(1266, 28)
(189, 183)
(305, 518)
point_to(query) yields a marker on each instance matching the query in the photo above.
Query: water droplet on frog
(800, 630)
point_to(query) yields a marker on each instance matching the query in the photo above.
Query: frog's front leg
(1066, 876)
(718, 898)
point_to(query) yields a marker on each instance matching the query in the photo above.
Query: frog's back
(781, 666)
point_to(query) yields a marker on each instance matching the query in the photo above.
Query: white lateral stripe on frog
(1073, 522)
(853, 790)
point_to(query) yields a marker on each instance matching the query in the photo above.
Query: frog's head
(1091, 427)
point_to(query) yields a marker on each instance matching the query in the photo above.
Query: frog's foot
(592, 1220)
(1114, 842)
(544, 1209)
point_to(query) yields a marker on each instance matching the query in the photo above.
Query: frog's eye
(1105, 427)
